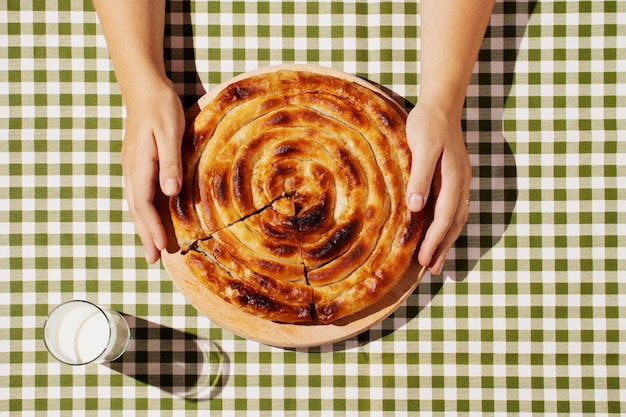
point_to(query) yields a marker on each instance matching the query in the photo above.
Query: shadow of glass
(174, 361)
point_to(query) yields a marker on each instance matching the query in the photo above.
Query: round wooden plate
(268, 332)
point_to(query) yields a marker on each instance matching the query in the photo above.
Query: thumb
(170, 165)
(424, 158)
(420, 179)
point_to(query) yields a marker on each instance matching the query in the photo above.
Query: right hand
(155, 126)
(440, 164)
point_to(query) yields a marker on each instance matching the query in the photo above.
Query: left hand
(151, 152)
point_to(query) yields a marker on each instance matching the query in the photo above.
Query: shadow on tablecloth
(494, 190)
(494, 187)
(174, 361)
(179, 52)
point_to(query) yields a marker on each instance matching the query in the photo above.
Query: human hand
(151, 150)
(440, 165)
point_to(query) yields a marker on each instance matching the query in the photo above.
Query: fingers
(450, 210)
(140, 190)
(440, 166)
(443, 232)
(147, 156)
(151, 158)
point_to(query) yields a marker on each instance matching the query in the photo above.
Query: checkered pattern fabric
(529, 317)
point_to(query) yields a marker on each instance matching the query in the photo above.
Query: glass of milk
(79, 332)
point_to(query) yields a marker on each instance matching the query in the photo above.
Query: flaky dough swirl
(292, 205)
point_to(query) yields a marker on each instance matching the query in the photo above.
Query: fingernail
(170, 187)
(416, 202)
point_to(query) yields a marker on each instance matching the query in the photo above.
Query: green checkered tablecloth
(529, 317)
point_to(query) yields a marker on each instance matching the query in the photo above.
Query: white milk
(79, 332)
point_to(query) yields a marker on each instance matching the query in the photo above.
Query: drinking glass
(79, 332)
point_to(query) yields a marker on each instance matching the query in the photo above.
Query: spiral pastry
(292, 205)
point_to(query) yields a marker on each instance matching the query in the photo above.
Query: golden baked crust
(292, 205)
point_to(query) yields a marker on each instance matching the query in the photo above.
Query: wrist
(449, 100)
(137, 90)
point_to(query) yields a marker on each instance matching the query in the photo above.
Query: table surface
(529, 316)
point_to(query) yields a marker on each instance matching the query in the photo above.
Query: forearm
(134, 34)
(451, 34)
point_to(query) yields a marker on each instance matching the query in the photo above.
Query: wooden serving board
(268, 332)
(285, 335)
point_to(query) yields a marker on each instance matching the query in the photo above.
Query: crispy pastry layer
(292, 204)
